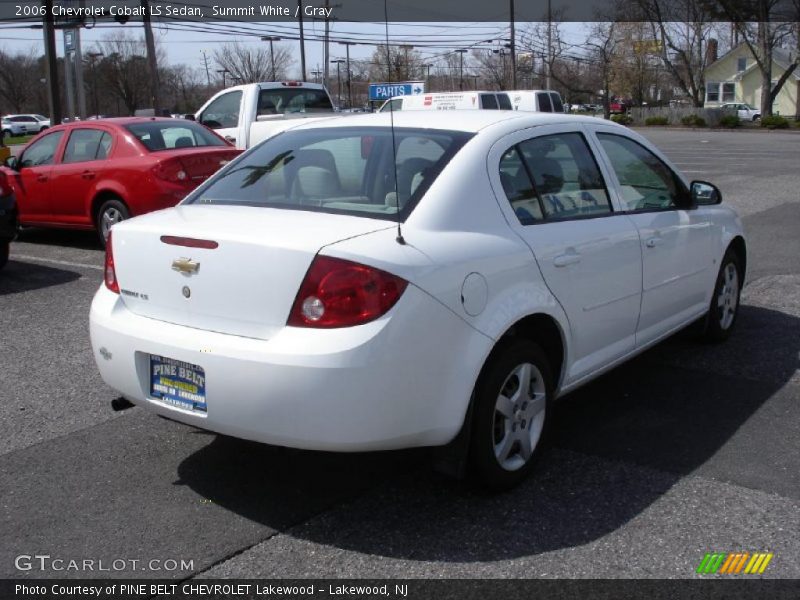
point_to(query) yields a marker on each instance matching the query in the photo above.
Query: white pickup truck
(247, 114)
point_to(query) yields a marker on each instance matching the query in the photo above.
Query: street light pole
(93, 56)
(270, 39)
(223, 72)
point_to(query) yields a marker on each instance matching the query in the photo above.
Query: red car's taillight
(340, 293)
(110, 274)
(172, 170)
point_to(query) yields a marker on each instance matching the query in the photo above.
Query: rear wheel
(512, 399)
(725, 301)
(5, 249)
(111, 212)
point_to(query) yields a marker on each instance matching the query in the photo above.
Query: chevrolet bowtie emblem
(185, 265)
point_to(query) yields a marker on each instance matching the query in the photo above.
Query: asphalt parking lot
(687, 449)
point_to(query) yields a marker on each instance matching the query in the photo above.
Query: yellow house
(735, 78)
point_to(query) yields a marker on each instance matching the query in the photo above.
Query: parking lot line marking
(56, 262)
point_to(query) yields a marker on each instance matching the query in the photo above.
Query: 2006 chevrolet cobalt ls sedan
(351, 285)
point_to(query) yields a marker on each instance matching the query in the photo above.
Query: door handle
(87, 175)
(654, 241)
(563, 260)
(41, 178)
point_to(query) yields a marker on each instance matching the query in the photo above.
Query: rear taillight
(110, 273)
(340, 293)
(171, 170)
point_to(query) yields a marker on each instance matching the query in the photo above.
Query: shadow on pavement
(84, 240)
(652, 412)
(18, 277)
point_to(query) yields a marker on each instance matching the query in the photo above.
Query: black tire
(113, 209)
(723, 310)
(5, 249)
(491, 429)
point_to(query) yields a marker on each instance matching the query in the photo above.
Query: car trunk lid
(246, 278)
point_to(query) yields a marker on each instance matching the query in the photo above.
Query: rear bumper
(401, 381)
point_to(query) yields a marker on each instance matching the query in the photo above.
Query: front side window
(347, 170)
(647, 182)
(489, 101)
(554, 177)
(223, 112)
(167, 135)
(558, 106)
(42, 151)
(86, 144)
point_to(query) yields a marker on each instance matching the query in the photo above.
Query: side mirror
(12, 163)
(704, 193)
(189, 117)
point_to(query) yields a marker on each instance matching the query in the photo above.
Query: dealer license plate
(178, 383)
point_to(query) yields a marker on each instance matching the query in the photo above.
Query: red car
(90, 175)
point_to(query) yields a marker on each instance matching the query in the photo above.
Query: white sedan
(348, 285)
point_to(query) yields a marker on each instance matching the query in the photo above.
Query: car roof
(470, 121)
(118, 121)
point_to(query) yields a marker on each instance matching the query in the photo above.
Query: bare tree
(123, 70)
(184, 87)
(681, 45)
(19, 79)
(251, 64)
(775, 21)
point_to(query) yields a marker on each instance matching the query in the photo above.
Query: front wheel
(111, 212)
(512, 400)
(725, 301)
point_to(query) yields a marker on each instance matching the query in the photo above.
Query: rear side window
(563, 176)
(489, 101)
(169, 135)
(223, 113)
(543, 99)
(87, 144)
(340, 170)
(504, 102)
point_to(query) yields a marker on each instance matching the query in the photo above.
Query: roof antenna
(400, 239)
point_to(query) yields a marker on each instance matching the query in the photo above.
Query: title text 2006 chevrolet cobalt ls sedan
(277, 302)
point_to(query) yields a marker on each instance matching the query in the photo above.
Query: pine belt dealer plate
(178, 383)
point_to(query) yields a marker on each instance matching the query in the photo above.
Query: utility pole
(326, 49)
(302, 41)
(349, 88)
(155, 91)
(270, 39)
(406, 48)
(514, 43)
(338, 62)
(205, 63)
(53, 96)
(93, 56)
(69, 41)
(549, 43)
(461, 52)
(79, 75)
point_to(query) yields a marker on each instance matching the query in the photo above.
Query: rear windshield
(166, 135)
(293, 100)
(339, 170)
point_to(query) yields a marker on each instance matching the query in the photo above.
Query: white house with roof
(736, 78)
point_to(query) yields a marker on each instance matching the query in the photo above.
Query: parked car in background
(32, 123)
(744, 111)
(247, 114)
(8, 218)
(12, 128)
(93, 174)
(384, 281)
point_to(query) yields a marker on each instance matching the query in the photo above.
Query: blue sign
(384, 91)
